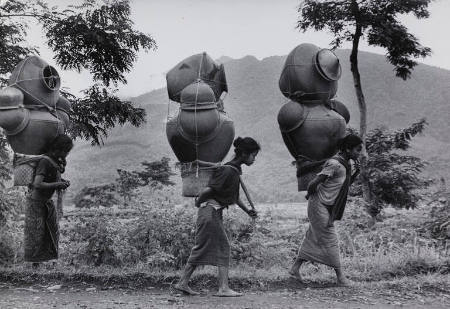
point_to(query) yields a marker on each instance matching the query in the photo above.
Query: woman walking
(211, 242)
(41, 231)
(327, 196)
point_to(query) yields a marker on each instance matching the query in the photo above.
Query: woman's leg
(183, 284)
(224, 289)
(341, 279)
(295, 269)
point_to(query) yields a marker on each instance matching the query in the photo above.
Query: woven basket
(193, 185)
(23, 169)
(195, 176)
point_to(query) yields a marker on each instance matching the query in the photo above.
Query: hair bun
(237, 141)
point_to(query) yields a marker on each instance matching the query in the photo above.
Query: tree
(155, 174)
(97, 36)
(378, 22)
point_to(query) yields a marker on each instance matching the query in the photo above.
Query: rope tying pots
(201, 134)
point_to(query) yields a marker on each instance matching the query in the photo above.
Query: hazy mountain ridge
(253, 103)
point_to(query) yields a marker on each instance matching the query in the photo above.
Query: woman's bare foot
(185, 289)
(227, 293)
(295, 275)
(344, 282)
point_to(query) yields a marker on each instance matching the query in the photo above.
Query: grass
(392, 252)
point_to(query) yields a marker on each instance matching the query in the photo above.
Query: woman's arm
(312, 186)
(205, 195)
(251, 212)
(40, 184)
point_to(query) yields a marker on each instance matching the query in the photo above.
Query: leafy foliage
(101, 195)
(394, 176)
(99, 111)
(99, 38)
(376, 20)
(11, 206)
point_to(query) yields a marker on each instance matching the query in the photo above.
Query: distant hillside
(253, 103)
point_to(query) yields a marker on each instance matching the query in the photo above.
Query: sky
(233, 28)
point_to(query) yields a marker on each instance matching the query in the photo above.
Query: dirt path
(87, 296)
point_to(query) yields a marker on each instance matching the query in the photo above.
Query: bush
(98, 241)
(164, 236)
(394, 177)
(95, 196)
(12, 203)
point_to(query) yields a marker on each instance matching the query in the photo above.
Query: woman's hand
(62, 185)
(252, 213)
(312, 187)
(196, 202)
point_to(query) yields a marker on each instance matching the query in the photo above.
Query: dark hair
(245, 145)
(61, 142)
(349, 141)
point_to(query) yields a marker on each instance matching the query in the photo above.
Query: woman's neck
(237, 161)
(344, 155)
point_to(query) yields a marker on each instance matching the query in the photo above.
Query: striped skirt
(211, 242)
(321, 242)
(41, 231)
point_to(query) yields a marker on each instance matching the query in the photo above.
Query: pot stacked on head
(32, 111)
(201, 134)
(311, 123)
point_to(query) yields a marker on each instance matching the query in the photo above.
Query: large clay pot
(200, 136)
(196, 67)
(12, 112)
(341, 109)
(311, 133)
(31, 113)
(310, 73)
(63, 109)
(38, 81)
(38, 129)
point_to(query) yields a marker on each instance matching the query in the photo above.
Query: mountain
(253, 103)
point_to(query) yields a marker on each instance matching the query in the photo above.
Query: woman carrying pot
(211, 242)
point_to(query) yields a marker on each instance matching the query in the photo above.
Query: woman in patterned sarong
(41, 231)
(327, 196)
(211, 242)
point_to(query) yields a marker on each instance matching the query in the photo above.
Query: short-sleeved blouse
(225, 184)
(330, 188)
(50, 173)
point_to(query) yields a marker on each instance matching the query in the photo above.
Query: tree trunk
(370, 202)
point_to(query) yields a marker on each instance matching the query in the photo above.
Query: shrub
(394, 177)
(95, 196)
(98, 241)
(12, 203)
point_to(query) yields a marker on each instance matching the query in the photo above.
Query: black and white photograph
(242, 154)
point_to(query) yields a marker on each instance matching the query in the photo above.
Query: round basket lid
(327, 64)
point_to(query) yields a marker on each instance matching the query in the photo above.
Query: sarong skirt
(321, 242)
(41, 231)
(211, 242)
